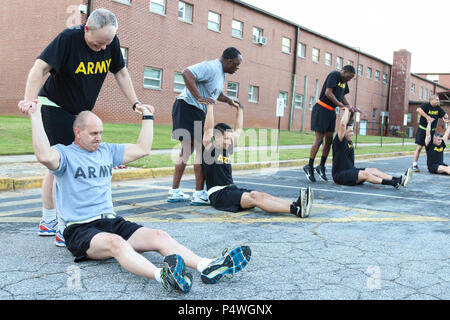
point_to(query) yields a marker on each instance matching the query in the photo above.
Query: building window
(413, 87)
(340, 63)
(213, 21)
(298, 101)
(409, 117)
(377, 75)
(237, 28)
(312, 102)
(425, 96)
(360, 70)
(350, 62)
(315, 55)
(328, 59)
(286, 45)
(128, 2)
(233, 90)
(374, 115)
(125, 55)
(158, 6)
(421, 93)
(301, 50)
(385, 78)
(283, 95)
(152, 78)
(185, 12)
(178, 82)
(257, 34)
(253, 94)
(369, 73)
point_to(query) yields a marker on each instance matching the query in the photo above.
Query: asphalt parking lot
(364, 242)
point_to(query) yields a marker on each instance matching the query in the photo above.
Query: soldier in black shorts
(224, 195)
(323, 117)
(428, 111)
(435, 146)
(344, 171)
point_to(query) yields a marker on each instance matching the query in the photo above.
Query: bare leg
(417, 153)
(327, 145)
(378, 173)
(48, 200)
(316, 144)
(180, 165)
(198, 170)
(265, 202)
(443, 169)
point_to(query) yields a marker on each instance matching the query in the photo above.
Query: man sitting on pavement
(435, 146)
(219, 141)
(83, 172)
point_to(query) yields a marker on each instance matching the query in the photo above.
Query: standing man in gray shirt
(204, 85)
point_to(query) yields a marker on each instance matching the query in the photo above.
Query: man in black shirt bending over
(344, 171)
(78, 60)
(435, 146)
(223, 194)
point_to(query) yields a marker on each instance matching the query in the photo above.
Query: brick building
(161, 37)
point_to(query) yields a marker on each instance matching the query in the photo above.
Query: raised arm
(208, 129)
(428, 131)
(143, 145)
(238, 124)
(446, 134)
(343, 123)
(46, 155)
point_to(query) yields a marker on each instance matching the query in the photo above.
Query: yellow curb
(11, 184)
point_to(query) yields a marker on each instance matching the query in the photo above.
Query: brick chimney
(400, 88)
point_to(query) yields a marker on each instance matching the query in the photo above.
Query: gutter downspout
(294, 80)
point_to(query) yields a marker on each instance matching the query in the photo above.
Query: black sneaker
(227, 265)
(309, 201)
(301, 203)
(406, 178)
(321, 171)
(309, 171)
(173, 275)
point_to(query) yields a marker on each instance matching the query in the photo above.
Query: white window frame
(298, 101)
(251, 94)
(360, 70)
(313, 56)
(369, 73)
(286, 45)
(157, 6)
(257, 33)
(177, 82)
(234, 92)
(212, 24)
(377, 75)
(182, 6)
(339, 63)
(240, 32)
(302, 50)
(153, 79)
(328, 59)
(284, 95)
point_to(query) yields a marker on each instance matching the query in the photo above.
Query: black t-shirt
(434, 112)
(343, 155)
(435, 154)
(340, 89)
(217, 167)
(78, 72)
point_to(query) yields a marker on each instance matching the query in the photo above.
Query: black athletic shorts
(187, 117)
(228, 199)
(420, 136)
(348, 177)
(78, 236)
(322, 120)
(433, 168)
(58, 125)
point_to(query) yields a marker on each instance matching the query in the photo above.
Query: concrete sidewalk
(23, 171)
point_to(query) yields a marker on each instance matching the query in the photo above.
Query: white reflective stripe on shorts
(216, 188)
(101, 216)
(46, 101)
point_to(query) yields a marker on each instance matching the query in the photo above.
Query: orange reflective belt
(323, 104)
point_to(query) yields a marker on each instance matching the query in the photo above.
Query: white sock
(414, 163)
(203, 263)
(158, 274)
(48, 214)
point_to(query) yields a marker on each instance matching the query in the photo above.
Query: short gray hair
(100, 18)
(82, 118)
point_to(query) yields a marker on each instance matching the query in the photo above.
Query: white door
(363, 127)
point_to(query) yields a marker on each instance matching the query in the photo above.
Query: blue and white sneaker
(173, 275)
(227, 265)
(200, 198)
(59, 239)
(176, 195)
(48, 228)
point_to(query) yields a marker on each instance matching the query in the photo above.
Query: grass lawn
(15, 137)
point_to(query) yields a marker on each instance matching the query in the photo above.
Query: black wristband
(148, 117)
(134, 105)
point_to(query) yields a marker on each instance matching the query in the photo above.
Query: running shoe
(227, 265)
(48, 228)
(309, 201)
(200, 198)
(321, 171)
(415, 168)
(59, 239)
(309, 171)
(301, 203)
(406, 178)
(173, 276)
(176, 195)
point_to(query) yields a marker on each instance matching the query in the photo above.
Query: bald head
(88, 130)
